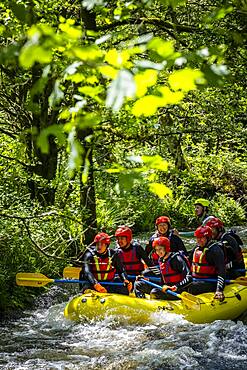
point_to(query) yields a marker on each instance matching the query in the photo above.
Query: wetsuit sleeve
(142, 255)
(149, 247)
(178, 264)
(117, 263)
(215, 257)
(177, 244)
(87, 263)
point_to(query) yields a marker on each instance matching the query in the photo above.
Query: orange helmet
(215, 222)
(100, 237)
(163, 242)
(162, 219)
(124, 231)
(203, 231)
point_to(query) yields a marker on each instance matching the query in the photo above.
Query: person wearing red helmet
(100, 264)
(131, 253)
(207, 260)
(163, 228)
(175, 272)
(231, 246)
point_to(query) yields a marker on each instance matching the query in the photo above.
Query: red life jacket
(155, 258)
(200, 267)
(102, 268)
(131, 262)
(169, 275)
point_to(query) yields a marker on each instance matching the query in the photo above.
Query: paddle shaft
(43, 280)
(215, 281)
(160, 288)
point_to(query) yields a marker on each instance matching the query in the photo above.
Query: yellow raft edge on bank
(93, 305)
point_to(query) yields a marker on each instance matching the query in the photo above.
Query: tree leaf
(159, 189)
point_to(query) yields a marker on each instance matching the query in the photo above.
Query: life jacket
(132, 264)
(169, 275)
(102, 268)
(200, 267)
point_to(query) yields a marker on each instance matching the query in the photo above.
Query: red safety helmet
(163, 242)
(124, 231)
(100, 237)
(215, 222)
(162, 219)
(203, 231)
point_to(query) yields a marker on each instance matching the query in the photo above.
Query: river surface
(44, 340)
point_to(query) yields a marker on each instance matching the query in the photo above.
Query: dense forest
(115, 112)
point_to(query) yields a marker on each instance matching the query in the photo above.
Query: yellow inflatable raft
(205, 309)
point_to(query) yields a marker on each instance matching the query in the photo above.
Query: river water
(44, 339)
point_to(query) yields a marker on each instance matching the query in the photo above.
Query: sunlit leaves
(108, 71)
(145, 170)
(93, 92)
(144, 80)
(186, 79)
(173, 3)
(69, 28)
(159, 189)
(155, 162)
(86, 53)
(148, 105)
(118, 58)
(32, 53)
(35, 51)
(164, 48)
(219, 13)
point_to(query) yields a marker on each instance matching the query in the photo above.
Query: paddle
(188, 299)
(71, 272)
(39, 280)
(242, 280)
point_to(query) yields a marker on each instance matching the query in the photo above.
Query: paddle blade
(32, 279)
(191, 301)
(71, 272)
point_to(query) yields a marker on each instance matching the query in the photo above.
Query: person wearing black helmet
(202, 211)
(231, 246)
(100, 264)
(207, 262)
(163, 228)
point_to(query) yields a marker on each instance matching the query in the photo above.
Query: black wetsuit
(233, 256)
(87, 274)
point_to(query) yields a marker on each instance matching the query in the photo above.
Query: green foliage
(103, 121)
